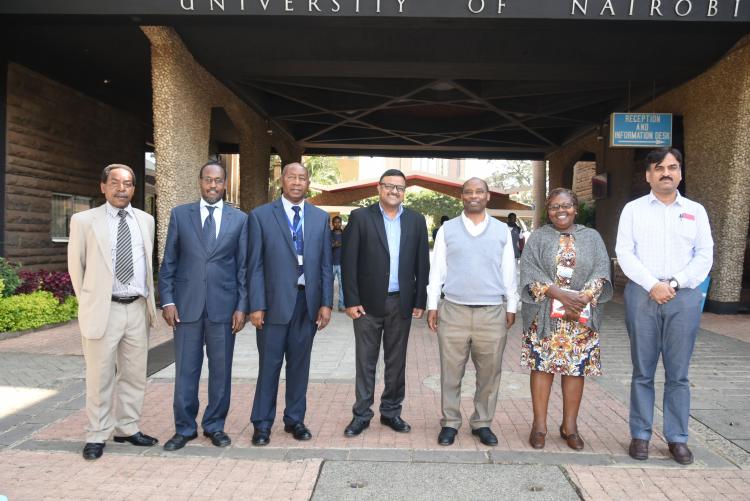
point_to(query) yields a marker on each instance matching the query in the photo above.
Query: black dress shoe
(139, 439)
(680, 453)
(396, 424)
(261, 437)
(356, 426)
(92, 451)
(485, 436)
(299, 431)
(638, 449)
(218, 438)
(447, 435)
(178, 441)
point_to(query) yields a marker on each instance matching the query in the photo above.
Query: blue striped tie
(299, 239)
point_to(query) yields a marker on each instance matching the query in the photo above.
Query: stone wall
(715, 107)
(184, 93)
(58, 141)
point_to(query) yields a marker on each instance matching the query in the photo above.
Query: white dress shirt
(658, 242)
(290, 216)
(217, 214)
(137, 286)
(439, 265)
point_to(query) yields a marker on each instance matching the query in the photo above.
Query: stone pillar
(539, 171)
(182, 121)
(716, 115)
(255, 152)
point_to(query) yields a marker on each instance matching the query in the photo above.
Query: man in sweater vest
(475, 267)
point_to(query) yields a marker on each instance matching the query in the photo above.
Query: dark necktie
(209, 228)
(123, 251)
(299, 239)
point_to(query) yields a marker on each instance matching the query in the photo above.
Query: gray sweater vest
(474, 263)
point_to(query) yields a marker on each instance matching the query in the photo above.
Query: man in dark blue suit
(203, 290)
(291, 295)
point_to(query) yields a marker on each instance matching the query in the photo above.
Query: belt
(478, 305)
(300, 287)
(124, 299)
(394, 293)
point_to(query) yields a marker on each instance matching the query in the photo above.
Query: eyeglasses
(566, 206)
(212, 180)
(470, 193)
(391, 187)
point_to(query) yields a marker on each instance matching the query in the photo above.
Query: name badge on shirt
(299, 260)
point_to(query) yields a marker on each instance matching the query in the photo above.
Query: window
(63, 208)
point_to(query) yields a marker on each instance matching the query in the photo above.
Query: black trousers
(393, 330)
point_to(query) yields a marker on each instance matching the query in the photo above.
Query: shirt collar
(652, 198)
(466, 219)
(288, 205)
(113, 211)
(219, 205)
(398, 214)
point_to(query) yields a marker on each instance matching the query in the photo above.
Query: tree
(323, 170)
(514, 174)
(433, 204)
(430, 204)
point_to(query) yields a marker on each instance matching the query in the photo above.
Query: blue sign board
(640, 130)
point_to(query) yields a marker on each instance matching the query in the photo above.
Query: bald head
(295, 166)
(473, 180)
(295, 180)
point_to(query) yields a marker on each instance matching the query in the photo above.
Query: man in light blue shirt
(393, 234)
(664, 247)
(385, 264)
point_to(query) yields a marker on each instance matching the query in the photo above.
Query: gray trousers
(393, 330)
(481, 333)
(668, 330)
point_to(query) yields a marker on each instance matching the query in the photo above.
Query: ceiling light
(442, 86)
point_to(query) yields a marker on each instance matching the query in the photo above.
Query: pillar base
(722, 308)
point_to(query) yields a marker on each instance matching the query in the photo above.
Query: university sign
(619, 10)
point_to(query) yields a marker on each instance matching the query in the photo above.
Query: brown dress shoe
(537, 439)
(680, 453)
(638, 449)
(573, 440)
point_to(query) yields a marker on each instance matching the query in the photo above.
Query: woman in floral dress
(565, 264)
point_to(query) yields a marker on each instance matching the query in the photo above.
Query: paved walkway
(42, 420)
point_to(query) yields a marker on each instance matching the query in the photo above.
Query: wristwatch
(673, 283)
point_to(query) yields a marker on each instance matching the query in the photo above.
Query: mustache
(665, 177)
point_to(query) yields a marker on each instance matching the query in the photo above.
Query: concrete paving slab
(449, 456)
(433, 482)
(551, 458)
(745, 444)
(326, 454)
(729, 423)
(385, 455)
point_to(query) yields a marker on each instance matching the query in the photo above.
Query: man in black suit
(385, 266)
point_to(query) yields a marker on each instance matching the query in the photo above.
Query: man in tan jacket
(109, 261)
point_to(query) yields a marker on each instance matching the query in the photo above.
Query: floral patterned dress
(572, 348)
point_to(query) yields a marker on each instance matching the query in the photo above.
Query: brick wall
(58, 141)
(582, 174)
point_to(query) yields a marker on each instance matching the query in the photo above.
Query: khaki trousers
(481, 333)
(116, 373)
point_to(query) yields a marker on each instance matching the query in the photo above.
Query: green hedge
(29, 311)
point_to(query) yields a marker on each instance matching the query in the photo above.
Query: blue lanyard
(299, 225)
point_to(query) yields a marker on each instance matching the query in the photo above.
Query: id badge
(564, 272)
(299, 260)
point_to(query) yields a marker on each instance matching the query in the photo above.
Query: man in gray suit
(291, 295)
(204, 296)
